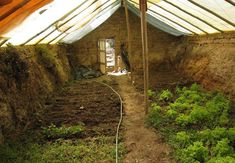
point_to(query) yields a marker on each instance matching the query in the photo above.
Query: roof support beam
(15, 8)
(181, 9)
(167, 18)
(143, 9)
(4, 41)
(178, 17)
(82, 25)
(70, 12)
(61, 25)
(129, 38)
(213, 13)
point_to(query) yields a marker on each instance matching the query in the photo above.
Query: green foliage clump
(165, 95)
(226, 159)
(222, 148)
(151, 93)
(196, 123)
(182, 138)
(194, 153)
(100, 149)
(62, 132)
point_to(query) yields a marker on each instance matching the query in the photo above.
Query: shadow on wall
(28, 75)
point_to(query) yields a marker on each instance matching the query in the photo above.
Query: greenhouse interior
(133, 81)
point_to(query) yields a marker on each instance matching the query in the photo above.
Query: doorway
(107, 58)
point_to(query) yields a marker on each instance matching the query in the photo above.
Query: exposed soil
(143, 144)
(89, 102)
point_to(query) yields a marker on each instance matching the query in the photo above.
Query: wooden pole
(129, 38)
(143, 9)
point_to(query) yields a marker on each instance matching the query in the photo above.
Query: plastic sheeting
(97, 21)
(56, 20)
(69, 21)
(192, 16)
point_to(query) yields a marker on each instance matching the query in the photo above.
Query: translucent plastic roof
(60, 20)
(25, 22)
(190, 16)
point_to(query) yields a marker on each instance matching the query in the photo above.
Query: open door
(102, 55)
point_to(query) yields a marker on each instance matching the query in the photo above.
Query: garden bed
(79, 125)
(197, 124)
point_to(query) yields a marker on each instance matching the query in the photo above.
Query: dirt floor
(98, 107)
(143, 144)
(85, 101)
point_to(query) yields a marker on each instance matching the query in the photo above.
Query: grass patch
(53, 132)
(195, 122)
(44, 150)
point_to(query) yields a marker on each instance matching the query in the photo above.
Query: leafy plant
(183, 120)
(166, 95)
(195, 152)
(61, 132)
(182, 138)
(151, 93)
(226, 159)
(222, 148)
(195, 123)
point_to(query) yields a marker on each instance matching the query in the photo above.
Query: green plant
(151, 93)
(183, 120)
(182, 138)
(195, 152)
(178, 106)
(222, 148)
(231, 134)
(61, 132)
(154, 117)
(171, 113)
(165, 95)
(195, 87)
(195, 123)
(198, 115)
(226, 159)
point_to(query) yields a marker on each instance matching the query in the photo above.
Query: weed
(166, 95)
(62, 132)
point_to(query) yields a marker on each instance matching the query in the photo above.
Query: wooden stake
(143, 9)
(129, 38)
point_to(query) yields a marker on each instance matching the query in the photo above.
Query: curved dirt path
(143, 144)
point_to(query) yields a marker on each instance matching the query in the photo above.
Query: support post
(129, 38)
(143, 9)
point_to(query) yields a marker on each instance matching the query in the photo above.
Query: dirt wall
(26, 80)
(161, 45)
(210, 60)
(86, 49)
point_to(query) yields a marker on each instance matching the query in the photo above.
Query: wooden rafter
(143, 9)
